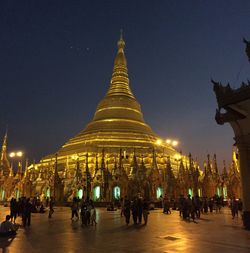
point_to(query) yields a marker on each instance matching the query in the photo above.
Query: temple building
(115, 155)
(234, 108)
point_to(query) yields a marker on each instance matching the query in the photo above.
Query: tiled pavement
(164, 233)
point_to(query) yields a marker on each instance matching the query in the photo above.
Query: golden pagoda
(118, 121)
(115, 142)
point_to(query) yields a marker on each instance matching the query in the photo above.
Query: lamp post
(16, 155)
(173, 143)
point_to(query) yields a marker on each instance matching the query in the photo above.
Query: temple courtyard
(164, 233)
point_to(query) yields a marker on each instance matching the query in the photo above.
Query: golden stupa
(117, 136)
(118, 122)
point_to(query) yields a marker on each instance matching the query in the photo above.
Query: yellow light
(12, 154)
(177, 156)
(168, 141)
(175, 143)
(159, 142)
(19, 153)
(74, 157)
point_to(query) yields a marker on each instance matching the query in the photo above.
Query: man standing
(27, 213)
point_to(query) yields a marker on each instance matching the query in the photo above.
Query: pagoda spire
(4, 148)
(119, 84)
(209, 169)
(215, 165)
(154, 161)
(4, 162)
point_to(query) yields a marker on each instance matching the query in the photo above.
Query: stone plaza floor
(163, 234)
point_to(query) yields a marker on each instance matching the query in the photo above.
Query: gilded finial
(121, 42)
(121, 34)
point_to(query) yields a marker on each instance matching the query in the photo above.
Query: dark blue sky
(56, 60)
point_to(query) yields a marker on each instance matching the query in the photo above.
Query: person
(134, 208)
(181, 204)
(92, 214)
(240, 206)
(145, 211)
(122, 206)
(42, 209)
(74, 209)
(51, 207)
(211, 205)
(85, 213)
(7, 228)
(127, 210)
(139, 209)
(13, 210)
(205, 205)
(166, 205)
(197, 206)
(234, 207)
(27, 213)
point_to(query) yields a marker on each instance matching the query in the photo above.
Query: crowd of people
(138, 207)
(192, 207)
(88, 211)
(23, 207)
(188, 207)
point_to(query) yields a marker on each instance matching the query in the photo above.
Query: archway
(47, 193)
(116, 192)
(224, 192)
(97, 193)
(80, 193)
(190, 192)
(159, 192)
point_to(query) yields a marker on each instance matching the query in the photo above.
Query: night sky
(56, 60)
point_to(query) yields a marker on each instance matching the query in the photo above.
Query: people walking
(234, 207)
(51, 207)
(127, 210)
(92, 214)
(74, 209)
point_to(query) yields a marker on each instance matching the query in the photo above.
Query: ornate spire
(118, 119)
(4, 162)
(4, 148)
(119, 84)
(215, 165)
(154, 161)
(209, 168)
